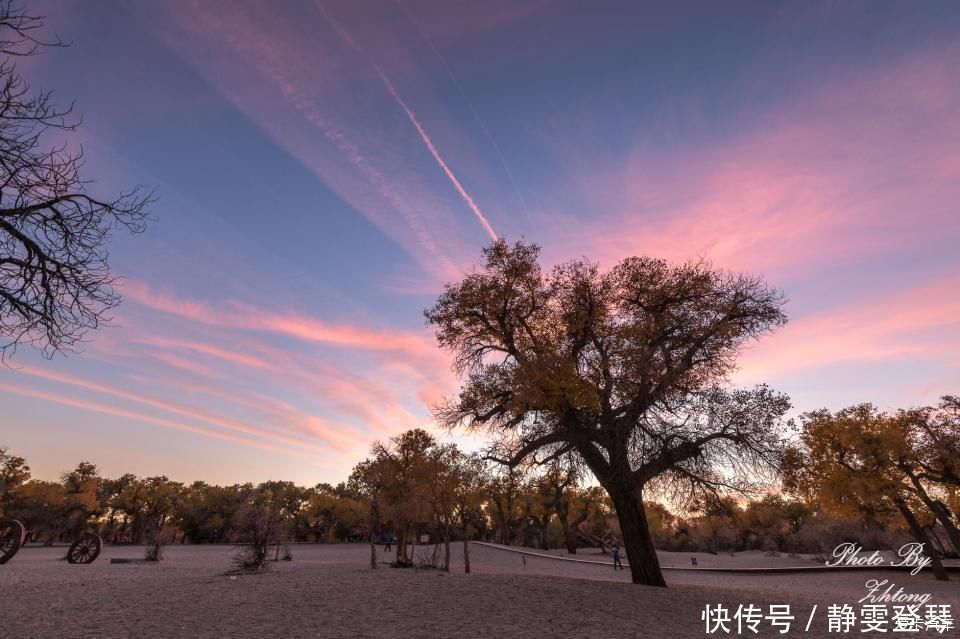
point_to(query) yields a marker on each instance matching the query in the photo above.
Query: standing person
(389, 542)
(616, 555)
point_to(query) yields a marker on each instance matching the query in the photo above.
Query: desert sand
(330, 591)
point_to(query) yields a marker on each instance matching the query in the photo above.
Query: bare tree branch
(55, 279)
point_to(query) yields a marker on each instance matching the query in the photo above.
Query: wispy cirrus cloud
(235, 315)
(139, 417)
(371, 399)
(383, 381)
(853, 185)
(316, 98)
(919, 323)
(329, 436)
(857, 167)
(427, 141)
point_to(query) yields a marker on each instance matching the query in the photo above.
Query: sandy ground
(329, 591)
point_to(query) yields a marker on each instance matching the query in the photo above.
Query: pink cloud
(361, 396)
(379, 392)
(185, 364)
(921, 322)
(199, 414)
(144, 418)
(242, 317)
(864, 165)
(234, 357)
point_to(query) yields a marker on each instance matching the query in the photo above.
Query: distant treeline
(414, 486)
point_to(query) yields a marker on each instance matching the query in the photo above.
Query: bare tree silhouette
(55, 280)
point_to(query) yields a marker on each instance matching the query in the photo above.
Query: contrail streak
(476, 114)
(348, 39)
(436, 156)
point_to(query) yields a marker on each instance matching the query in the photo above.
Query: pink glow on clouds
(882, 328)
(185, 364)
(198, 414)
(819, 182)
(371, 398)
(224, 351)
(243, 317)
(281, 416)
(241, 359)
(136, 417)
(402, 362)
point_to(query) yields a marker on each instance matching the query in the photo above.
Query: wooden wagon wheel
(85, 549)
(12, 534)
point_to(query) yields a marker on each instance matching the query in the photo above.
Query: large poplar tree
(624, 369)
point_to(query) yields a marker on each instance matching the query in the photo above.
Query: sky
(323, 168)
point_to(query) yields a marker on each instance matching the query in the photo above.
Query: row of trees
(883, 469)
(410, 486)
(859, 475)
(131, 509)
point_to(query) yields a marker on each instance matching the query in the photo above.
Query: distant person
(616, 555)
(389, 543)
(693, 562)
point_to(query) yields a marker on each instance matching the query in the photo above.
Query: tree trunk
(641, 553)
(466, 549)
(565, 529)
(111, 523)
(406, 546)
(446, 548)
(572, 533)
(921, 536)
(570, 536)
(374, 524)
(943, 516)
(940, 511)
(935, 540)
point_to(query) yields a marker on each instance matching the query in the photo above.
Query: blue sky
(324, 167)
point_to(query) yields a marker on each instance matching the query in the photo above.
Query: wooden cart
(84, 550)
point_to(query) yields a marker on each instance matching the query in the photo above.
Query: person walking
(616, 555)
(389, 543)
